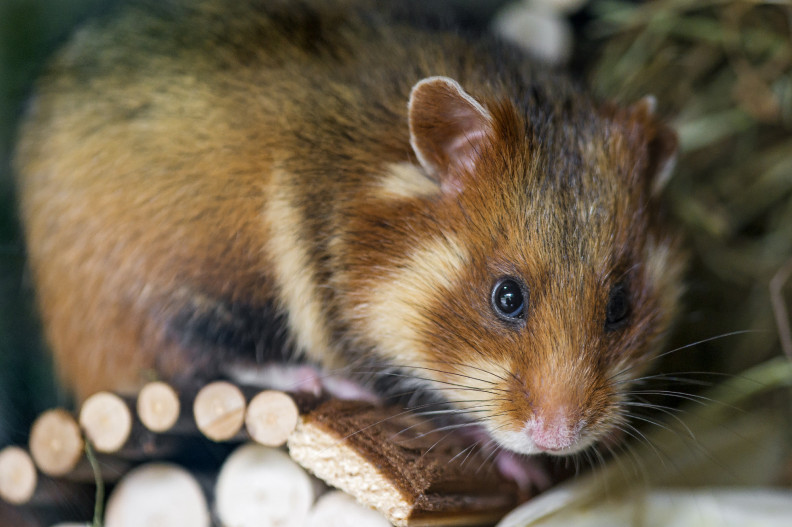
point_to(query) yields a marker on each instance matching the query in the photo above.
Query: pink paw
(284, 377)
(343, 388)
(527, 472)
(303, 378)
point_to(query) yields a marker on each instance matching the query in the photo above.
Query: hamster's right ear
(448, 128)
(663, 143)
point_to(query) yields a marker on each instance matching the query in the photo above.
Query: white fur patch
(520, 441)
(293, 272)
(392, 310)
(405, 180)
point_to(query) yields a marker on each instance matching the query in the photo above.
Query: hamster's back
(152, 175)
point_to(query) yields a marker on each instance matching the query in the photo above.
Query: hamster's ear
(662, 146)
(448, 127)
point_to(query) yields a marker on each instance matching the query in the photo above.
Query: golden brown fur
(219, 181)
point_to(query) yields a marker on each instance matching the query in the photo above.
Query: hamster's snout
(554, 410)
(551, 430)
(554, 431)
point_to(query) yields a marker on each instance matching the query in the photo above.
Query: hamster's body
(216, 184)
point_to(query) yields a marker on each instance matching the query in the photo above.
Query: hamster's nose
(554, 431)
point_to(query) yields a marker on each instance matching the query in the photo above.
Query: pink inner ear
(448, 128)
(463, 150)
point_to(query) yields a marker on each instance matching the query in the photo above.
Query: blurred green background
(29, 31)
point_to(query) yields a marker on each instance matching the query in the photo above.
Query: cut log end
(55, 442)
(157, 494)
(338, 509)
(18, 475)
(158, 406)
(270, 418)
(106, 420)
(219, 410)
(259, 485)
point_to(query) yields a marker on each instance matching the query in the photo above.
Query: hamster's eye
(508, 299)
(618, 307)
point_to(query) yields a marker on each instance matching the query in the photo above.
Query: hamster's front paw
(303, 378)
(527, 471)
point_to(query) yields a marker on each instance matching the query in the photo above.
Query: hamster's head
(525, 274)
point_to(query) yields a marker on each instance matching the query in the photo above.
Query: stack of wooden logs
(393, 468)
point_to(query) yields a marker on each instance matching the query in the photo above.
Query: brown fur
(217, 181)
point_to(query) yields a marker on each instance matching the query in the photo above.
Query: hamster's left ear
(662, 143)
(448, 128)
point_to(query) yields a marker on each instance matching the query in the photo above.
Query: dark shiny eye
(508, 299)
(618, 307)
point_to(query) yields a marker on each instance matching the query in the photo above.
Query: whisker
(457, 363)
(698, 399)
(686, 346)
(453, 412)
(436, 443)
(483, 402)
(468, 449)
(453, 373)
(637, 464)
(448, 383)
(667, 410)
(709, 339)
(675, 377)
(456, 426)
(650, 421)
(662, 456)
(488, 458)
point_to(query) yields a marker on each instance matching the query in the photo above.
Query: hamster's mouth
(532, 468)
(523, 442)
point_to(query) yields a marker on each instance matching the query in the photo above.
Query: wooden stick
(107, 421)
(158, 406)
(18, 475)
(259, 485)
(55, 442)
(157, 494)
(271, 416)
(219, 410)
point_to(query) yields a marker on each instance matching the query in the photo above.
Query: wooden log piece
(55, 442)
(259, 486)
(157, 494)
(106, 420)
(392, 461)
(158, 406)
(270, 417)
(338, 509)
(18, 476)
(219, 410)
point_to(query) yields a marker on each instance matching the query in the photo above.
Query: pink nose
(554, 432)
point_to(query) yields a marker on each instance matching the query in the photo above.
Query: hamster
(216, 185)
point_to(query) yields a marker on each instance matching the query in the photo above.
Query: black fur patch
(232, 332)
